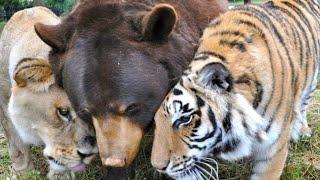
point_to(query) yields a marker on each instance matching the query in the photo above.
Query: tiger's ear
(159, 22)
(35, 74)
(215, 76)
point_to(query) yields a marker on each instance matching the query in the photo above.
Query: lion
(36, 111)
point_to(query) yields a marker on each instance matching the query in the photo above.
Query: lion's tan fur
(34, 98)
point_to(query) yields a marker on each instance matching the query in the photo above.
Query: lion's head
(42, 115)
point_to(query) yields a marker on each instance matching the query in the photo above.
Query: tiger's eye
(185, 119)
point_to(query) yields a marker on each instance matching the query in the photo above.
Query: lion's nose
(83, 155)
(50, 158)
(90, 140)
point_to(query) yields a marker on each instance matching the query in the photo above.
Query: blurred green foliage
(62, 6)
(9, 7)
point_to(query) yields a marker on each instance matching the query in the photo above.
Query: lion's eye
(184, 120)
(64, 113)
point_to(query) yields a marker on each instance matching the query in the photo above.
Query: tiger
(244, 94)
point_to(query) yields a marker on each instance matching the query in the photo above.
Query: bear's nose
(90, 140)
(114, 162)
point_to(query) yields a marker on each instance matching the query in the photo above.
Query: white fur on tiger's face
(245, 93)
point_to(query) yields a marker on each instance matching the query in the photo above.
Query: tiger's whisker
(204, 170)
(199, 175)
(216, 164)
(192, 176)
(212, 170)
(201, 172)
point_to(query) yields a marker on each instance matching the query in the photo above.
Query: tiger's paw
(301, 131)
(305, 131)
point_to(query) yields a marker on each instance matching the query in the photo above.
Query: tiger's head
(203, 116)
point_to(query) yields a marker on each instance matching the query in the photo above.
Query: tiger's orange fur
(272, 53)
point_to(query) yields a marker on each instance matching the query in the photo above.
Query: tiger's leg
(305, 129)
(301, 127)
(269, 162)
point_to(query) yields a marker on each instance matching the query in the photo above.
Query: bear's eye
(133, 109)
(64, 113)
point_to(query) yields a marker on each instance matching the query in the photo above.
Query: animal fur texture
(39, 110)
(245, 93)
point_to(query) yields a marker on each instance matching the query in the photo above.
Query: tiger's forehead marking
(180, 95)
(177, 104)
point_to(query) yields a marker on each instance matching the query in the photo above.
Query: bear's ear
(52, 35)
(34, 73)
(215, 76)
(159, 22)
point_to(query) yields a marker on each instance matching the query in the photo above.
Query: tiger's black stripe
(222, 58)
(230, 145)
(258, 95)
(177, 92)
(238, 44)
(232, 33)
(261, 15)
(272, 11)
(306, 21)
(207, 136)
(316, 45)
(257, 11)
(263, 18)
(263, 36)
(227, 121)
(306, 39)
(291, 16)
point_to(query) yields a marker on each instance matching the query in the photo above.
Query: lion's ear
(34, 73)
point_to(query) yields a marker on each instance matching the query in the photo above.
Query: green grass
(2, 23)
(240, 2)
